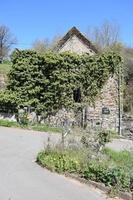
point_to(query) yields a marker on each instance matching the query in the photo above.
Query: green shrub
(104, 137)
(46, 82)
(97, 140)
(109, 176)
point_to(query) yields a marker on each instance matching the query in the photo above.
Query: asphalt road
(22, 179)
(121, 144)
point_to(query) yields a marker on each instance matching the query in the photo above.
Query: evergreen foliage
(47, 81)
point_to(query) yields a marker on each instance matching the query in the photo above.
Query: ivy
(47, 81)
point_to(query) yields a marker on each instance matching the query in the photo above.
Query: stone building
(105, 112)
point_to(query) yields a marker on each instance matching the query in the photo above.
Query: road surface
(121, 144)
(22, 179)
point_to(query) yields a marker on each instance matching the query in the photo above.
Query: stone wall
(127, 126)
(107, 101)
(74, 44)
(8, 116)
(93, 115)
(105, 112)
(62, 117)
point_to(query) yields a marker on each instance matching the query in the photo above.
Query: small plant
(24, 120)
(103, 138)
(113, 177)
(96, 141)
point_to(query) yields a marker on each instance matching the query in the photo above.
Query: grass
(5, 68)
(45, 128)
(7, 123)
(123, 159)
(61, 161)
(112, 168)
(37, 127)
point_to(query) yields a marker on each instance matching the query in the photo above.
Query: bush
(104, 137)
(97, 141)
(105, 170)
(46, 82)
(109, 176)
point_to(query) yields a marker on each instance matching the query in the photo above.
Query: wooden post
(120, 101)
(63, 139)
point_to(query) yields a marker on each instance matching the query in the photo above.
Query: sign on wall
(105, 111)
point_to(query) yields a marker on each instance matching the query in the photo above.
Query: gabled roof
(74, 31)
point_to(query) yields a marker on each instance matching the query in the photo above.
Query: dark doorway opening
(77, 95)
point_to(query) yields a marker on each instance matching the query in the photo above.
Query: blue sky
(38, 19)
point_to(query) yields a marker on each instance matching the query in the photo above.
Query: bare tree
(41, 45)
(55, 41)
(6, 41)
(128, 74)
(105, 36)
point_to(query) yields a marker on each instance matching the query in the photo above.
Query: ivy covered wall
(47, 82)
